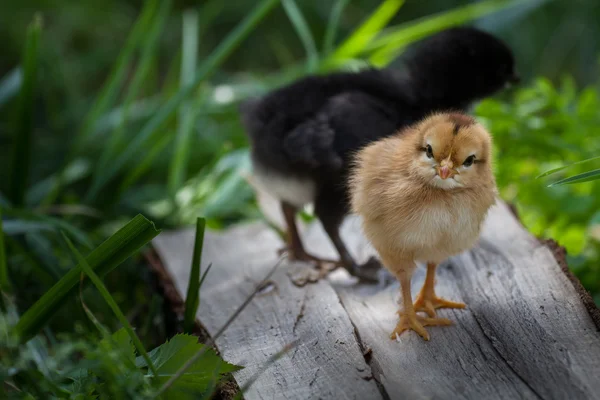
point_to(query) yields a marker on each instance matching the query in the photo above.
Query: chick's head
(453, 151)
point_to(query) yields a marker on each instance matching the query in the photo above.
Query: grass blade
(211, 341)
(220, 54)
(9, 85)
(332, 26)
(303, 31)
(555, 170)
(579, 178)
(110, 89)
(24, 127)
(43, 273)
(116, 249)
(139, 78)
(356, 43)
(108, 94)
(111, 302)
(144, 164)
(192, 300)
(389, 45)
(187, 113)
(4, 282)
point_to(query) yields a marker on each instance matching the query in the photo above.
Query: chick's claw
(430, 303)
(417, 324)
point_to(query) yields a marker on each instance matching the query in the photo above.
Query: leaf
(172, 355)
(217, 57)
(187, 111)
(389, 44)
(73, 172)
(123, 341)
(118, 74)
(4, 282)
(108, 93)
(26, 221)
(362, 36)
(303, 31)
(144, 164)
(116, 249)
(44, 273)
(21, 162)
(148, 54)
(192, 299)
(111, 302)
(579, 178)
(332, 26)
(555, 170)
(10, 84)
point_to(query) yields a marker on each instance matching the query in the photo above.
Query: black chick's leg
(368, 272)
(294, 243)
(331, 221)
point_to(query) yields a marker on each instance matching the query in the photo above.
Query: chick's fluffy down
(405, 216)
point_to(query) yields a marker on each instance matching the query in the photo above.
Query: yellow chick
(423, 194)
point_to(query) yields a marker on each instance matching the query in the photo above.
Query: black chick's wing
(345, 123)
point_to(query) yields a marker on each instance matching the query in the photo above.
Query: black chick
(304, 135)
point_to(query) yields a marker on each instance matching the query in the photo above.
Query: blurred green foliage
(546, 126)
(113, 108)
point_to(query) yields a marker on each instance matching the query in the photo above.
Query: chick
(302, 136)
(423, 194)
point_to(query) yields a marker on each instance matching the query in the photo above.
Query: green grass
(146, 127)
(103, 259)
(21, 156)
(192, 299)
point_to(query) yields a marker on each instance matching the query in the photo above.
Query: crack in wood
(508, 364)
(367, 354)
(518, 296)
(314, 379)
(300, 313)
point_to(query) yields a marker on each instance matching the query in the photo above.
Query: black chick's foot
(368, 272)
(310, 271)
(301, 255)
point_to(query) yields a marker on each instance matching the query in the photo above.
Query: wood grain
(526, 333)
(327, 362)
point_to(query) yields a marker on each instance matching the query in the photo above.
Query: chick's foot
(312, 272)
(369, 272)
(429, 302)
(315, 268)
(299, 254)
(411, 321)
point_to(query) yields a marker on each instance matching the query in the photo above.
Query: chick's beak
(444, 172)
(445, 169)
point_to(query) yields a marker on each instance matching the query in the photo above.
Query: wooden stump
(529, 329)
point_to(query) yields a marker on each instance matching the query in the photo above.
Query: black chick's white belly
(295, 190)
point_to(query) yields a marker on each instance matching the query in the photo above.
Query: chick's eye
(469, 161)
(429, 151)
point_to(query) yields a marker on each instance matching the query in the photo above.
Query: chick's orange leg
(409, 320)
(427, 300)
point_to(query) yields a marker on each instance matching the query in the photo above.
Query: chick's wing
(346, 122)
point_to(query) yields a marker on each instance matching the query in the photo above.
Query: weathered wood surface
(327, 359)
(524, 334)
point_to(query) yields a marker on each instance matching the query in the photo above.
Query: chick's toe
(411, 321)
(428, 302)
